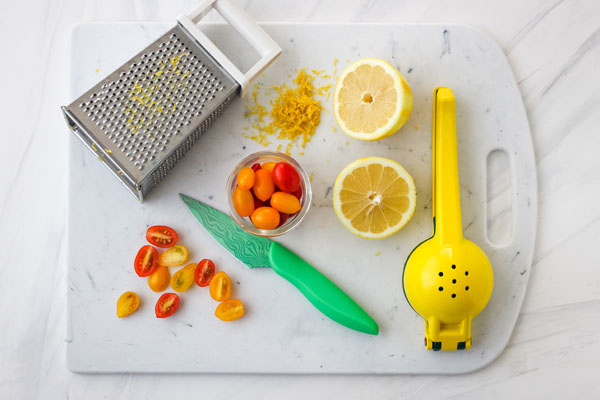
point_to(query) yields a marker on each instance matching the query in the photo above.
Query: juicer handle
(446, 191)
(264, 45)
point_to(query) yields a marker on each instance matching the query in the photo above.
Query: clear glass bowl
(262, 157)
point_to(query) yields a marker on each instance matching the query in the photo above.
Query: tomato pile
(269, 194)
(149, 263)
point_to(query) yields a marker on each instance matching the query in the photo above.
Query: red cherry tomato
(161, 236)
(263, 184)
(204, 272)
(282, 218)
(243, 201)
(265, 218)
(298, 193)
(166, 305)
(286, 177)
(146, 261)
(259, 203)
(245, 178)
(256, 167)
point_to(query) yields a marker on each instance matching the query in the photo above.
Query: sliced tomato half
(166, 305)
(204, 272)
(161, 236)
(146, 261)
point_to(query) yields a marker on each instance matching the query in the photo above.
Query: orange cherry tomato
(269, 165)
(245, 178)
(285, 203)
(220, 286)
(159, 280)
(182, 280)
(230, 310)
(166, 305)
(243, 201)
(127, 303)
(174, 257)
(161, 236)
(265, 218)
(204, 272)
(263, 184)
(146, 261)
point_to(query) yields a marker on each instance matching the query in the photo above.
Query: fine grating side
(143, 118)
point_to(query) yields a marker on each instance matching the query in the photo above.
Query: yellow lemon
(372, 99)
(374, 197)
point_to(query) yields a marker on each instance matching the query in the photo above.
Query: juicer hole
(453, 266)
(453, 280)
(440, 288)
(467, 273)
(441, 274)
(466, 288)
(453, 295)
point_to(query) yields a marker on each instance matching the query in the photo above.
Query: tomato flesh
(182, 280)
(166, 305)
(161, 236)
(174, 257)
(146, 261)
(127, 304)
(230, 310)
(220, 286)
(204, 272)
(286, 177)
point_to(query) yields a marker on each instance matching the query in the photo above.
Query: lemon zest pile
(294, 114)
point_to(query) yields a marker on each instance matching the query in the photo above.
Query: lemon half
(374, 197)
(371, 100)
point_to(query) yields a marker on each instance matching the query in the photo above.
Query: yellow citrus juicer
(447, 279)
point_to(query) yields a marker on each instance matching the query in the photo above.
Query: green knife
(256, 251)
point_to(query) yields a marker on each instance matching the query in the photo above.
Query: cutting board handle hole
(499, 195)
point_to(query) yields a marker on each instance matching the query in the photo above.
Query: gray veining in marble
(554, 348)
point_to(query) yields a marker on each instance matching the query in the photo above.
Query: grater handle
(264, 45)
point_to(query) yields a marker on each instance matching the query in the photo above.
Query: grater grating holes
(161, 92)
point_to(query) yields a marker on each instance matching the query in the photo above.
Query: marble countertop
(554, 49)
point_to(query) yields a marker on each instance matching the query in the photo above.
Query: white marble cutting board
(282, 332)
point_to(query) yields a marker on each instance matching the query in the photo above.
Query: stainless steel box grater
(144, 117)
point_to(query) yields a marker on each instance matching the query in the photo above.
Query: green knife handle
(320, 291)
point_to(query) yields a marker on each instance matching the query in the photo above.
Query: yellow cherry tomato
(183, 279)
(220, 286)
(245, 178)
(127, 303)
(263, 184)
(230, 310)
(285, 202)
(159, 280)
(243, 201)
(265, 218)
(269, 165)
(174, 257)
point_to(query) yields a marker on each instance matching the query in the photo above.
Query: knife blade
(255, 251)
